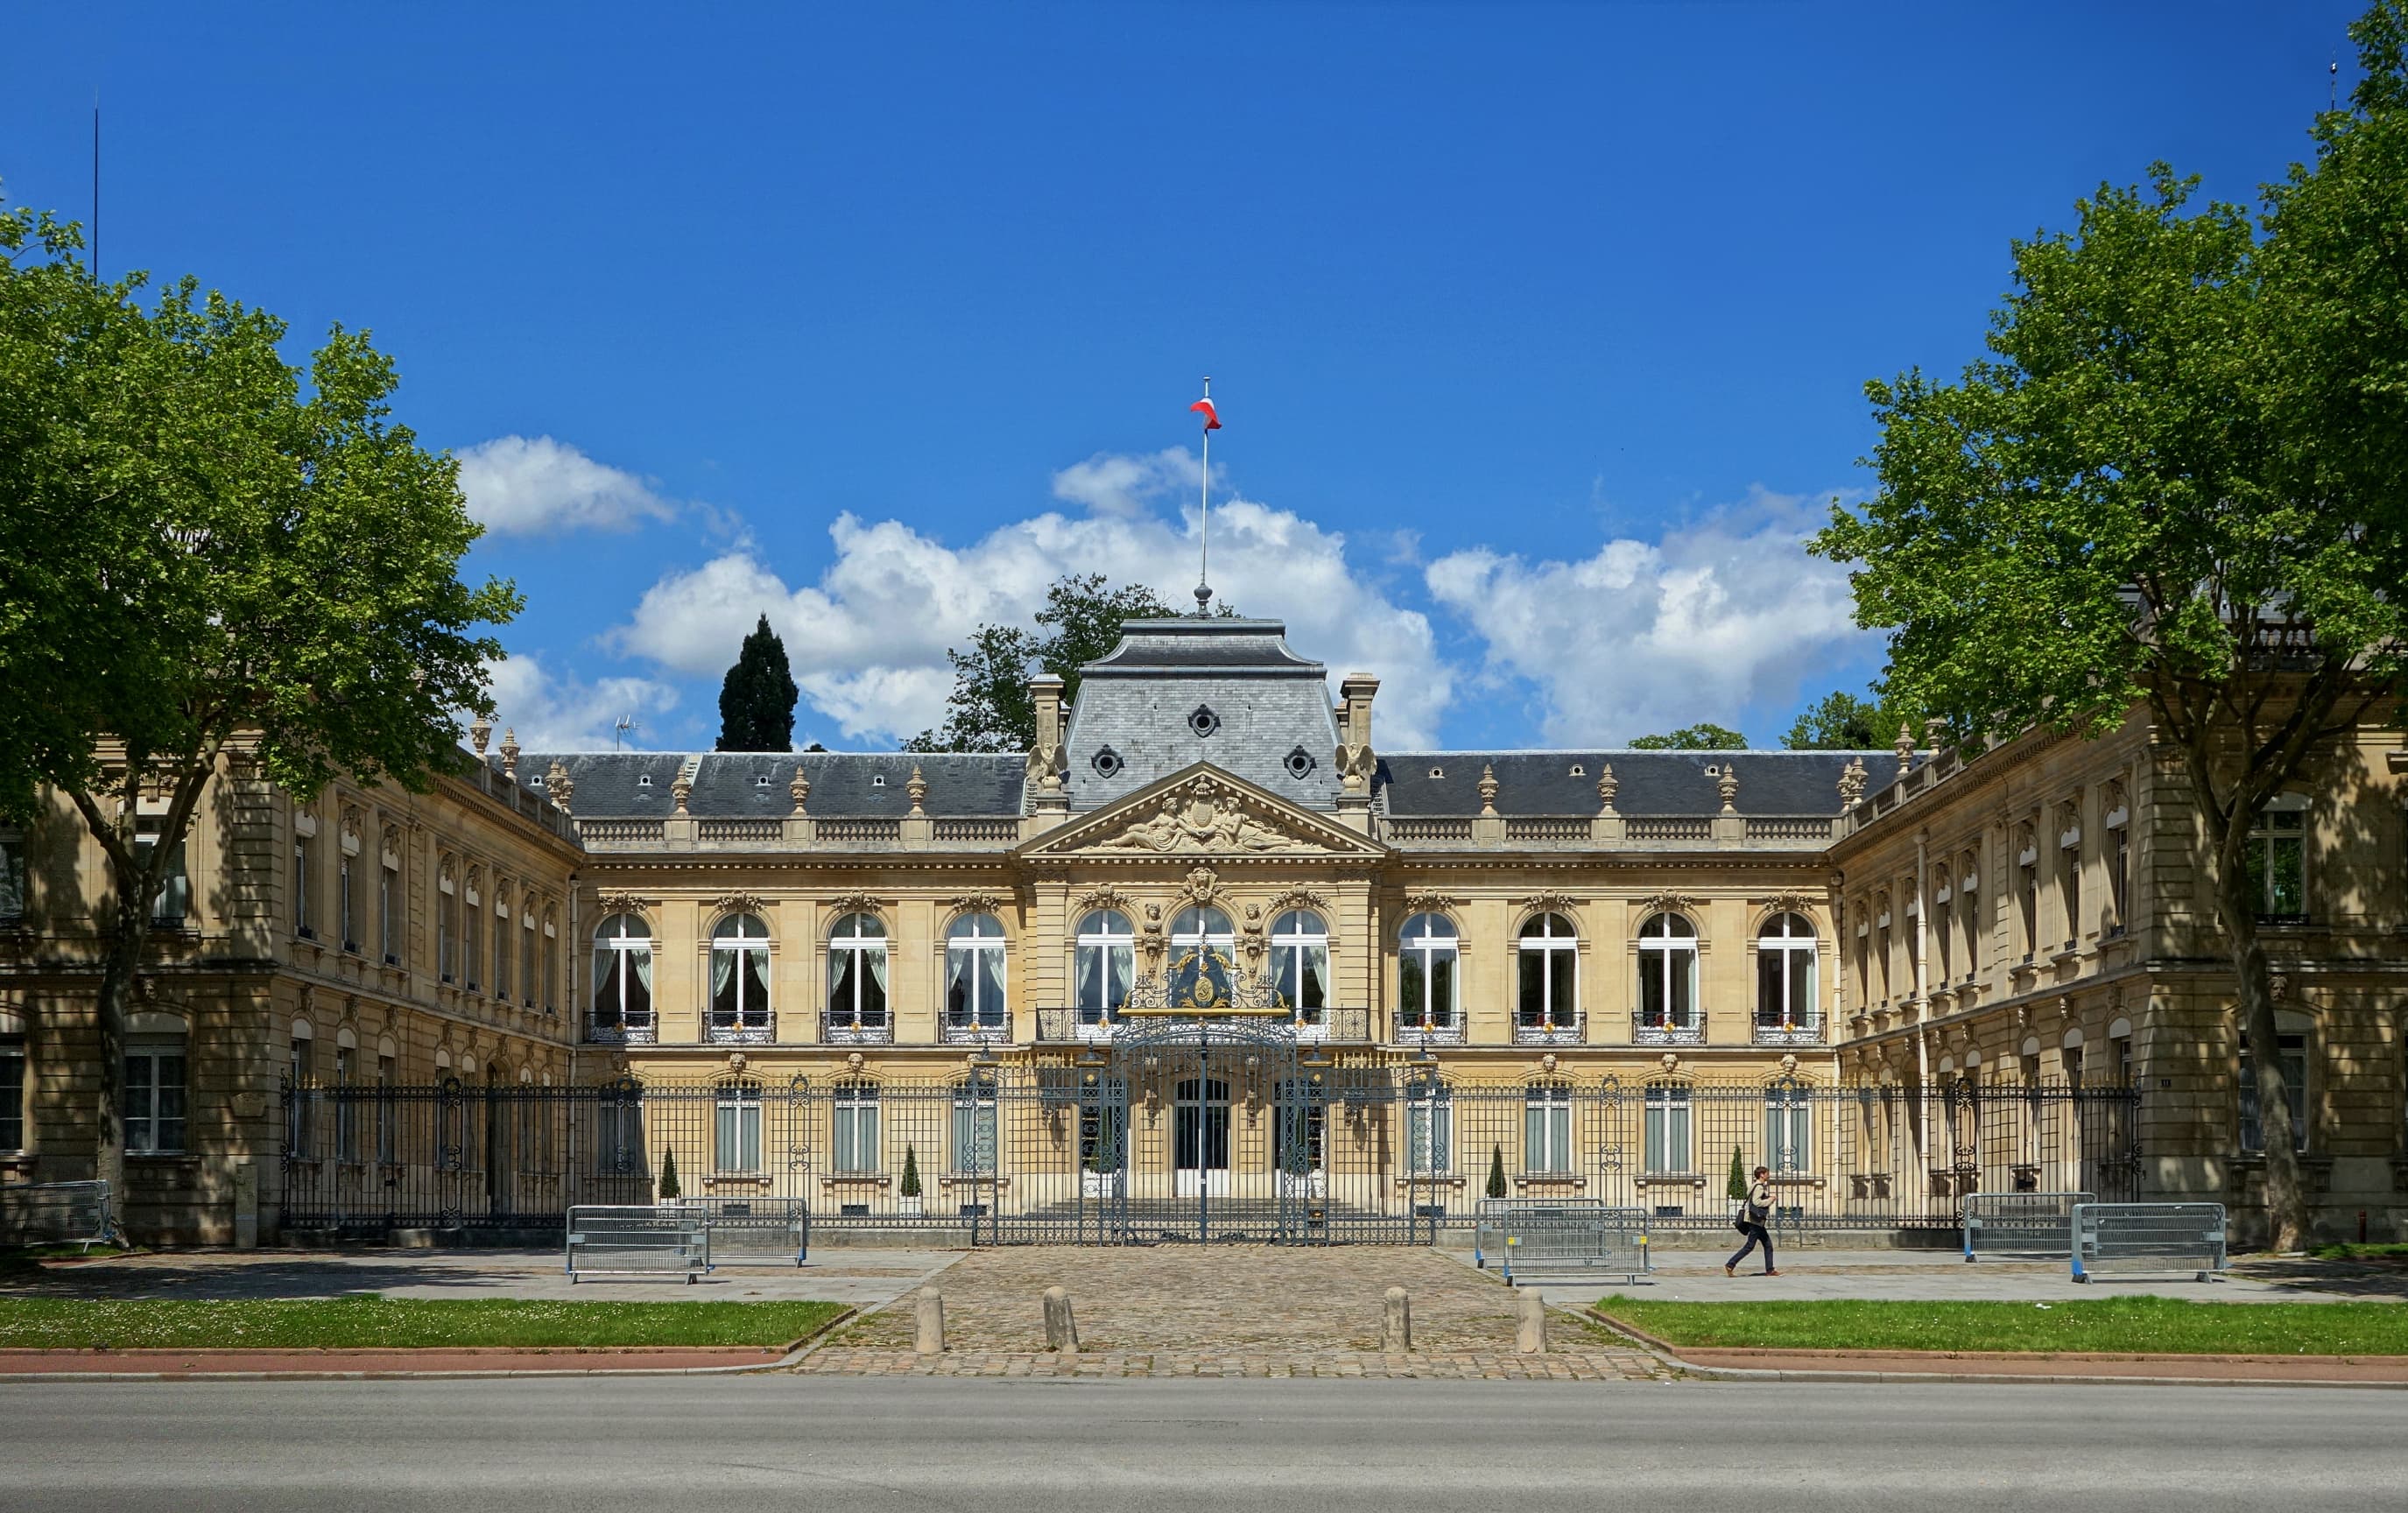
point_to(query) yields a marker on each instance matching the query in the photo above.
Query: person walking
(1753, 1220)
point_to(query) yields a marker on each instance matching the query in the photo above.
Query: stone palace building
(1210, 960)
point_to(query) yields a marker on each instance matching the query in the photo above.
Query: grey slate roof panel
(844, 783)
(1137, 703)
(1648, 782)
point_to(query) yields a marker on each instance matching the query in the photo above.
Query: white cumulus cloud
(562, 713)
(521, 484)
(1645, 637)
(868, 640)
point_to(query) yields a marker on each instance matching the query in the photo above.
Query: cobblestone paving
(1227, 1311)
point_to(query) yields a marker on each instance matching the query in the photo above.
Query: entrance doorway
(1200, 1136)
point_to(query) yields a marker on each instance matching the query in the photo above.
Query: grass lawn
(2361, 1252)
(405, 1323)
(2166, 1325)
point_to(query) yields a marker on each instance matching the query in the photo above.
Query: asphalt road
(670, 1445)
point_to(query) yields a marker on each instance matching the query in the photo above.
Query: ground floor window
(1430, 1130)
(12, 1095)
(154, 1099)
(857, 1127)
(1789, 1130)
(1668, 1129)
(736, 1147)
(1547, 1129)
(974, 1128)
(2294, 1051)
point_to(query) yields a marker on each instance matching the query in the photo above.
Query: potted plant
(1496, 1171)
(910, 1193)
(667, 1185)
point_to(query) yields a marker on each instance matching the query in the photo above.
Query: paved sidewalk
(1584, 1364)
(346, 1363)
(863, 1278)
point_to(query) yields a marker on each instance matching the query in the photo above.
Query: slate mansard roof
(1410, 783)
(725, 784)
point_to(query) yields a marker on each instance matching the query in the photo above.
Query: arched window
(1300, 963)
(1105, 964)
(1667, 974)
(857, 977)
(1549, 974)
(623, 976)
(974, 973)
(739, 974)
(1203, 951)
(1426, 974)
(1784, 973)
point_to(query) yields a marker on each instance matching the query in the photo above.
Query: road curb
(1671, 1356)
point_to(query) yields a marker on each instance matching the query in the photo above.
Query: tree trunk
(121, 960)
(2287, 1203)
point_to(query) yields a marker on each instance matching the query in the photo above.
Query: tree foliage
(1708, 737)
(1842, 722)
(989, 709)
(2180, 483)
(206, 556)
(756, 700)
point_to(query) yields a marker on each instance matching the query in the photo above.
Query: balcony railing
(1074, 1026)
(1333, 1026)
(1419, 1030)
(636, 1029)
(988, 1029)
(1774, 1032)
(1657, 1030)
(1089, 1027)
(848, 1030)
(1555, 1031)
(753, 1028)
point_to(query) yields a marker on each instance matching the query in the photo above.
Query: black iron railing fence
(1114, 1147)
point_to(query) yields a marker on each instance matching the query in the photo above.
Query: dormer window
(1204, 722)
(877, 780)
(1579, 771)
(762, 781)
(1107, 763)
(644, 779)
(1299, 764)
(1438, 772)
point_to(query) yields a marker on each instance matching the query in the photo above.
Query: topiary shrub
(1496, 1171)
(910, 1172)
(668, 1182)
(1738, 1176)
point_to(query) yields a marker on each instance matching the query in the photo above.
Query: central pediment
(1200, 812)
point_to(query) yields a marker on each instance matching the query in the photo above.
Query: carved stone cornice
(854, 903)
(1428, 903)
(1548, 904)
(740, 902)
(613, 901)
(979, 903)
(1106, 897)
(1667, 903)
(1295, 898)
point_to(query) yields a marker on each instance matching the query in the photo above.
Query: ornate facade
(1600, 944)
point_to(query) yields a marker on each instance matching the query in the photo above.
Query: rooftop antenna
(625, 725)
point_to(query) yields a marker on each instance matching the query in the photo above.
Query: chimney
(1046, 760)
(1356, 759)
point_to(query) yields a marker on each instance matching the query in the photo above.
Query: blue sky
(1539, 332)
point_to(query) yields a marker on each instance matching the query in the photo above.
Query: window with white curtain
(1429, 1128)
(974, 947)
(623, 972)
(1548, 959)
(1668, 971)
(1426, 956)
(1300, 963)
(739, 973)
(1784, 970)
(858, 972)
(1103, 965)
(1667, 1128)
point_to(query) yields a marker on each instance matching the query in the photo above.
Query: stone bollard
(1529, 1323)
(1061, 1329)
(1396, 1324)
(928, 1320)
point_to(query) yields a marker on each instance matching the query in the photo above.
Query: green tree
(1703, 737)
(210, 562)
(1737, 1186)
(911, 1188)
(667, 1186)
(1496, 1188)
(756, 701)
(990, 709)
(1842, 722)
(2180, 483)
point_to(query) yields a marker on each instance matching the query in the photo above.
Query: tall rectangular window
(737, 1143)
(2119, 876)
(473, 949)
(1547, 1129)
(347, 1127)
(12, 877)
(2293, 1049)
(347, 917)
(526, 956)
(1667, 1135)
(2028, 899)
(974, 1128)
(2069, 872)
(297, 1107)
(388, 920)
(154, 1099)
(2278, 860)
(551, 949)
(386, 1114)
(447, 931)
(1789, 1130)
(1429, 1130)
(502, 945)
(12, 1094)
(173, 902)
(301, 881)
(857, 1127)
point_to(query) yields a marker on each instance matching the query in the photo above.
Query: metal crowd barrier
(2021, 1223)
(2148, 1237)
(636, 1242)
(752, 1231)
(1560, 1239)
(56, 1213)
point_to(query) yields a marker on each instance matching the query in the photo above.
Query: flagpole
(1204, 517)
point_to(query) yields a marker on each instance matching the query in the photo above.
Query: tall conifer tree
(757, 703)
